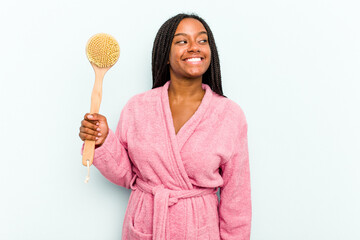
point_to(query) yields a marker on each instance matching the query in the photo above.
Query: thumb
(94, 116)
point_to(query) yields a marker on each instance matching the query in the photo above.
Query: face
(190, 51)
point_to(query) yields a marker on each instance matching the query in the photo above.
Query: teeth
(193, 59)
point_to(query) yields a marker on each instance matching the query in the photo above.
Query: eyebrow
(184, 34)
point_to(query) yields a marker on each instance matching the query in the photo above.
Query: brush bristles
(103, 50)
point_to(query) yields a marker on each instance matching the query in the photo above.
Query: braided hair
(161, 51)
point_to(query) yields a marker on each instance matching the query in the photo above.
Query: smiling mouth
(194, 60)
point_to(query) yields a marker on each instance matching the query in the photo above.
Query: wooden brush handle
(89, 147)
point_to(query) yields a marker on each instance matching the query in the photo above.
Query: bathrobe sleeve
(111, 158)
(235, 198)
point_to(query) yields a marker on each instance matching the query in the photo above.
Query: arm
(235, 196)
(111, 158)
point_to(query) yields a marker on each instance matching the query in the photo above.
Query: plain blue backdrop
(293, 66)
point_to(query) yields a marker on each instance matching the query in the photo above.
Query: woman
(176, 143)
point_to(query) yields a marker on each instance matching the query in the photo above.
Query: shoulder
(230, 110)
(236, 111)
(143, 99)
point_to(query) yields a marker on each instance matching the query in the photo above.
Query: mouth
(194, 60)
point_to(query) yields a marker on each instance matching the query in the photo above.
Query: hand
(92, 126)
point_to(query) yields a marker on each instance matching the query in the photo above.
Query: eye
(181, 42)
(203, 41)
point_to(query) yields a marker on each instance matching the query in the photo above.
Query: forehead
(190, 26)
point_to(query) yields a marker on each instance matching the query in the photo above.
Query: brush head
(102, 50)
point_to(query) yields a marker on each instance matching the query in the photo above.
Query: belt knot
(163, 199)
(161, 190)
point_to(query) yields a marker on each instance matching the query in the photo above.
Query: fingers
(90, 118)
(93, 127)
(87, 136)
(89, 131)
(98, 140)
(94, 117)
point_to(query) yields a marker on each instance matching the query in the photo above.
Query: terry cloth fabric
(174, 177)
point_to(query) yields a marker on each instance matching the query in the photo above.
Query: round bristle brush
(103, 51)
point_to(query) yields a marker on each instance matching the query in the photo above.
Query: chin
(190, 74)
(195, 74)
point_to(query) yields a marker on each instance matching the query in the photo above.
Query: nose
(193, 47)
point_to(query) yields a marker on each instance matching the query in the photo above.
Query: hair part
(161, 51)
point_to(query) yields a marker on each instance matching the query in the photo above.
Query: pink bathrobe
(175, 177)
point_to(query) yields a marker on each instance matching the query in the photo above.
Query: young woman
(176, 143)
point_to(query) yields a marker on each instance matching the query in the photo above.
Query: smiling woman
(190, 53)
(177, 143)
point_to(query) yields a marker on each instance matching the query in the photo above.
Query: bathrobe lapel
(178, 140)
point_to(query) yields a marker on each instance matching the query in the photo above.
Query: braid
(161, 51)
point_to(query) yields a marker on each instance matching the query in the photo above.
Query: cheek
(209, 57)
(175, 58)
(173, 62)
(172, 56)
(208, 51)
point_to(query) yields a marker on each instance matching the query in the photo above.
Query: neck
(185, 89)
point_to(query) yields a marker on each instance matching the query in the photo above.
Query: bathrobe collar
(178, 140)
(187, 129)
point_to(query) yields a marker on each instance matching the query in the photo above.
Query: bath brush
(103, 51)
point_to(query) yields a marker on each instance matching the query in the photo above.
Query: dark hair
(161, 51)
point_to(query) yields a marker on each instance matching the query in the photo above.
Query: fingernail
(99, 134)
(97, 124)
(98, 129)
(90, 116)
(96, 138)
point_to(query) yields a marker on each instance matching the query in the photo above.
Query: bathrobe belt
(163, 199)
